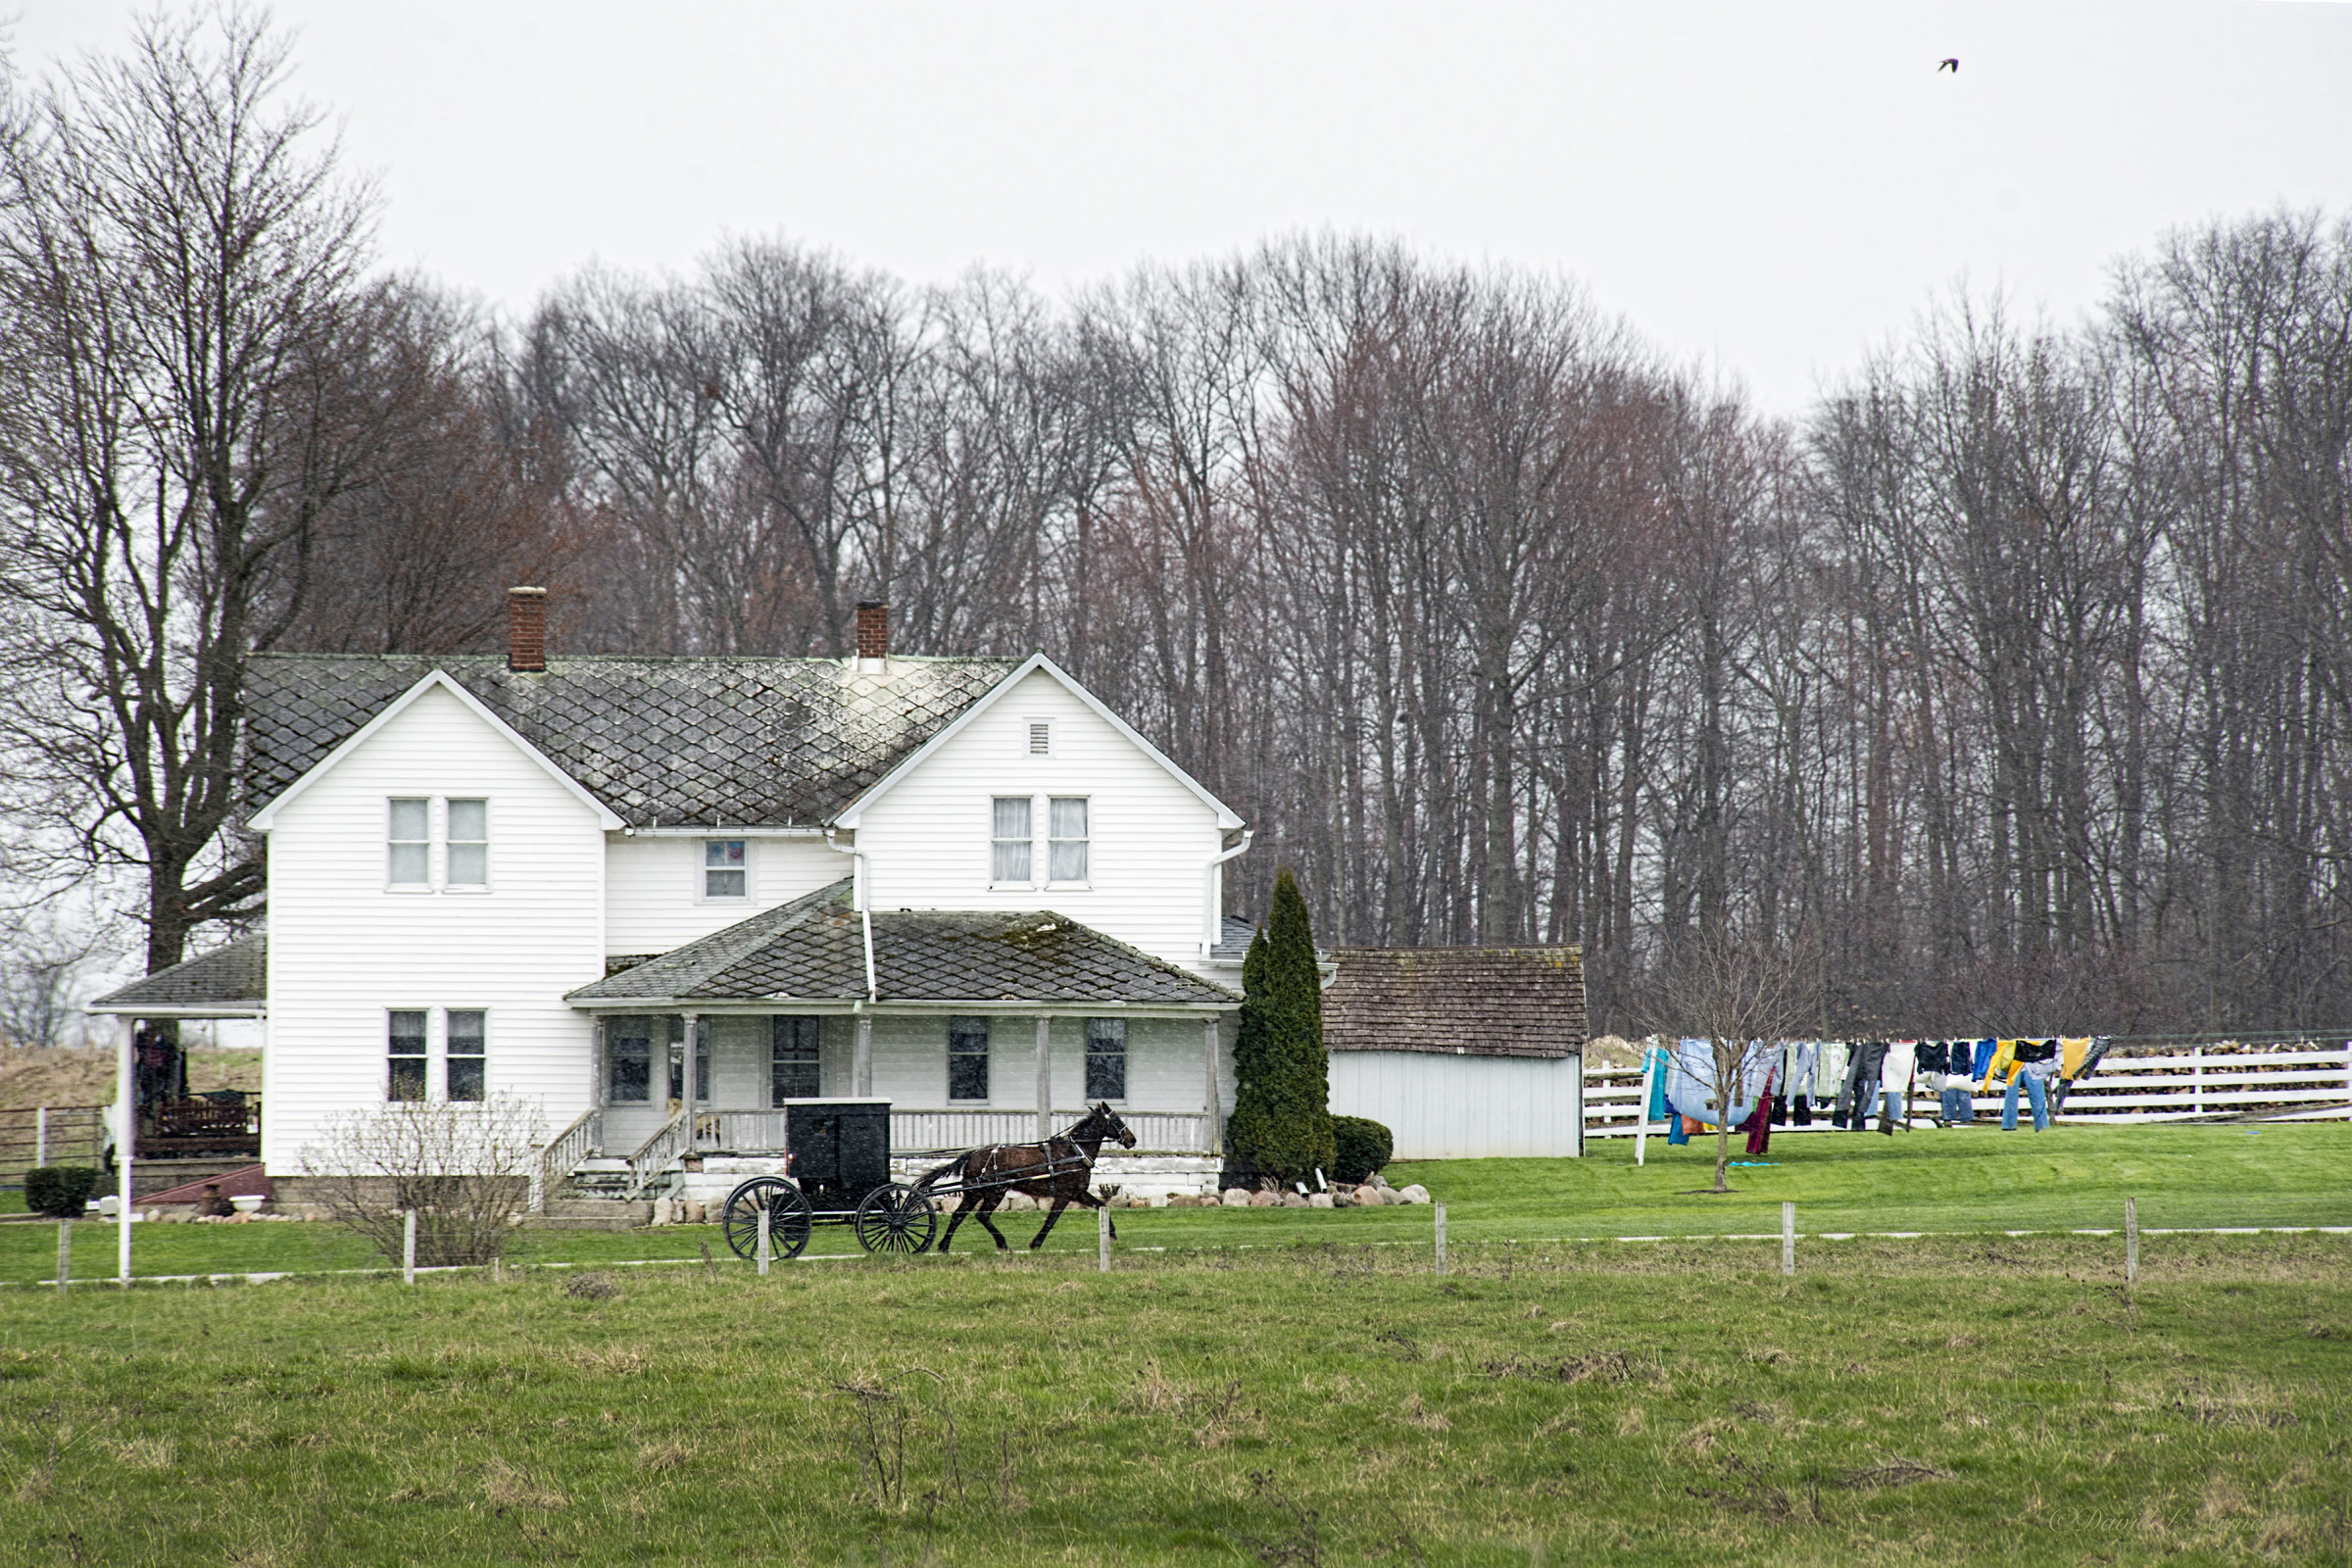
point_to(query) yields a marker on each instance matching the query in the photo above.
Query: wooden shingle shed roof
(1478, 1002)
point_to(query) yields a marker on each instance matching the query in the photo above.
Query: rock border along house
(659, 896)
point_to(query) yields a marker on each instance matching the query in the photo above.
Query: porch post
(1044, 1078)
(694, 1049)
(1216, 1123)
(861, 1065)
(127, 1138)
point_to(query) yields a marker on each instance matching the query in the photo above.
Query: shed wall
(1464, 1107)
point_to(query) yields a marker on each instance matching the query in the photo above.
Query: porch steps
(593, 1214)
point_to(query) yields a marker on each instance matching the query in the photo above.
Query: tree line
(2005, 688)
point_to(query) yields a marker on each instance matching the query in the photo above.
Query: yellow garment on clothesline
(2004, 1066)
(2069, 1056)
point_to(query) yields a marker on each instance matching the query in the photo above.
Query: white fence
(2202, 1081)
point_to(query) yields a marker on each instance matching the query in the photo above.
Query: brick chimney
(526, 628)
(873, 634)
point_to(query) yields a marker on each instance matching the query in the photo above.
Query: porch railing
(657, 1153)
(913, 1131)
(580, 1141)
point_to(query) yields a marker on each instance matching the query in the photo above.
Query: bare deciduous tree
(464, 1169)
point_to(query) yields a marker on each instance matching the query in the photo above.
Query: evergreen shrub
(1360, 1147)
(1281, 1124)
(61, 1191)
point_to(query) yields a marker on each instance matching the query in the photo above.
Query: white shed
(1462, 1052)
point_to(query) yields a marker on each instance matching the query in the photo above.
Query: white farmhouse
(660, 897)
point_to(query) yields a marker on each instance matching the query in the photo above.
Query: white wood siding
(653, 887)
(1463, 1107)
(343, 951)
(926, 841)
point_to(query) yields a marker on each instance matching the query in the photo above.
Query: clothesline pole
(1649, 1069)
(2130, 1240)
(1787, 1238)
(407, 1248)
(1441, 1209)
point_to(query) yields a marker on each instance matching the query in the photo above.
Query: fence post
(40, 1135)
(65, 1253)
(407, 1248)
(2130, 1240)
(1787, 1238)
(766, 1219)
(2196, 1079)
(1102, 1235)
(1441, 1209)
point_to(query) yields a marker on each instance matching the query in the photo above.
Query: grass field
(1974, 1180)
(1275, 1387)
(1992, 1399)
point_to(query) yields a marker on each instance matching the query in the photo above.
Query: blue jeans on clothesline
(1956, 1106)
(2038, 1090)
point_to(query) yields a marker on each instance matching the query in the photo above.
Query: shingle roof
(1480, 1002)
(1233, 940)
(814, 949)
(235, 977)
(661, 741)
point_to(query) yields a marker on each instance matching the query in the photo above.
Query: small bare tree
(463, 1167)
(1733, 989)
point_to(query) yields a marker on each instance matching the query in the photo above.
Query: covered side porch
(977, 1026)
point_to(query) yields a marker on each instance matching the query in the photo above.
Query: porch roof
(813, 949)
(230, 982)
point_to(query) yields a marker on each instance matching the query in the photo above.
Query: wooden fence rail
(2309, 1084)
(53, 1135)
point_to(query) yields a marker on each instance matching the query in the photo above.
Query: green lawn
(1972, 1180)
(1992, 1399)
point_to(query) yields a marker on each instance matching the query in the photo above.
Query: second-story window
(1067, 847)
(1010, 843)
(725, 871)
(407, 861)
(469, 855)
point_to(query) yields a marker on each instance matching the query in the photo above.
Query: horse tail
(924, 1181)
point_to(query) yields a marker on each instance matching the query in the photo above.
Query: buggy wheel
(895, 1219)
(788, 1218)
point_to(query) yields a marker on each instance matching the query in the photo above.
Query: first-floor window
(792, 1061)
(407, 1051)
(701, 1060)
(629, 1054)
(1106, 1059)
(967, 1058)
(468, 1047)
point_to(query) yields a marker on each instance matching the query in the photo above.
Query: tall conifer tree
(1281, 1124)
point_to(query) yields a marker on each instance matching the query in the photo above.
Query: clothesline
(1772, 1084)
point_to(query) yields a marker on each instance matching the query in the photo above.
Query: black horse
(1056, 1168)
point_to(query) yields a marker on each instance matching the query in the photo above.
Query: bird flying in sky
(1952, 65)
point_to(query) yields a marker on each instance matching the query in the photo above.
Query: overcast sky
(1773, 188)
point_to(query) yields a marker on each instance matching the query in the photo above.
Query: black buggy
(839, 1157)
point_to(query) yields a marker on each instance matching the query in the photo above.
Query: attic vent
(1040, 737)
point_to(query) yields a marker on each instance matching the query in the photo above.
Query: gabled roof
(812, 949)
(1477, 1002)
(718, 742)
(1035, 663)
(230, 982)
